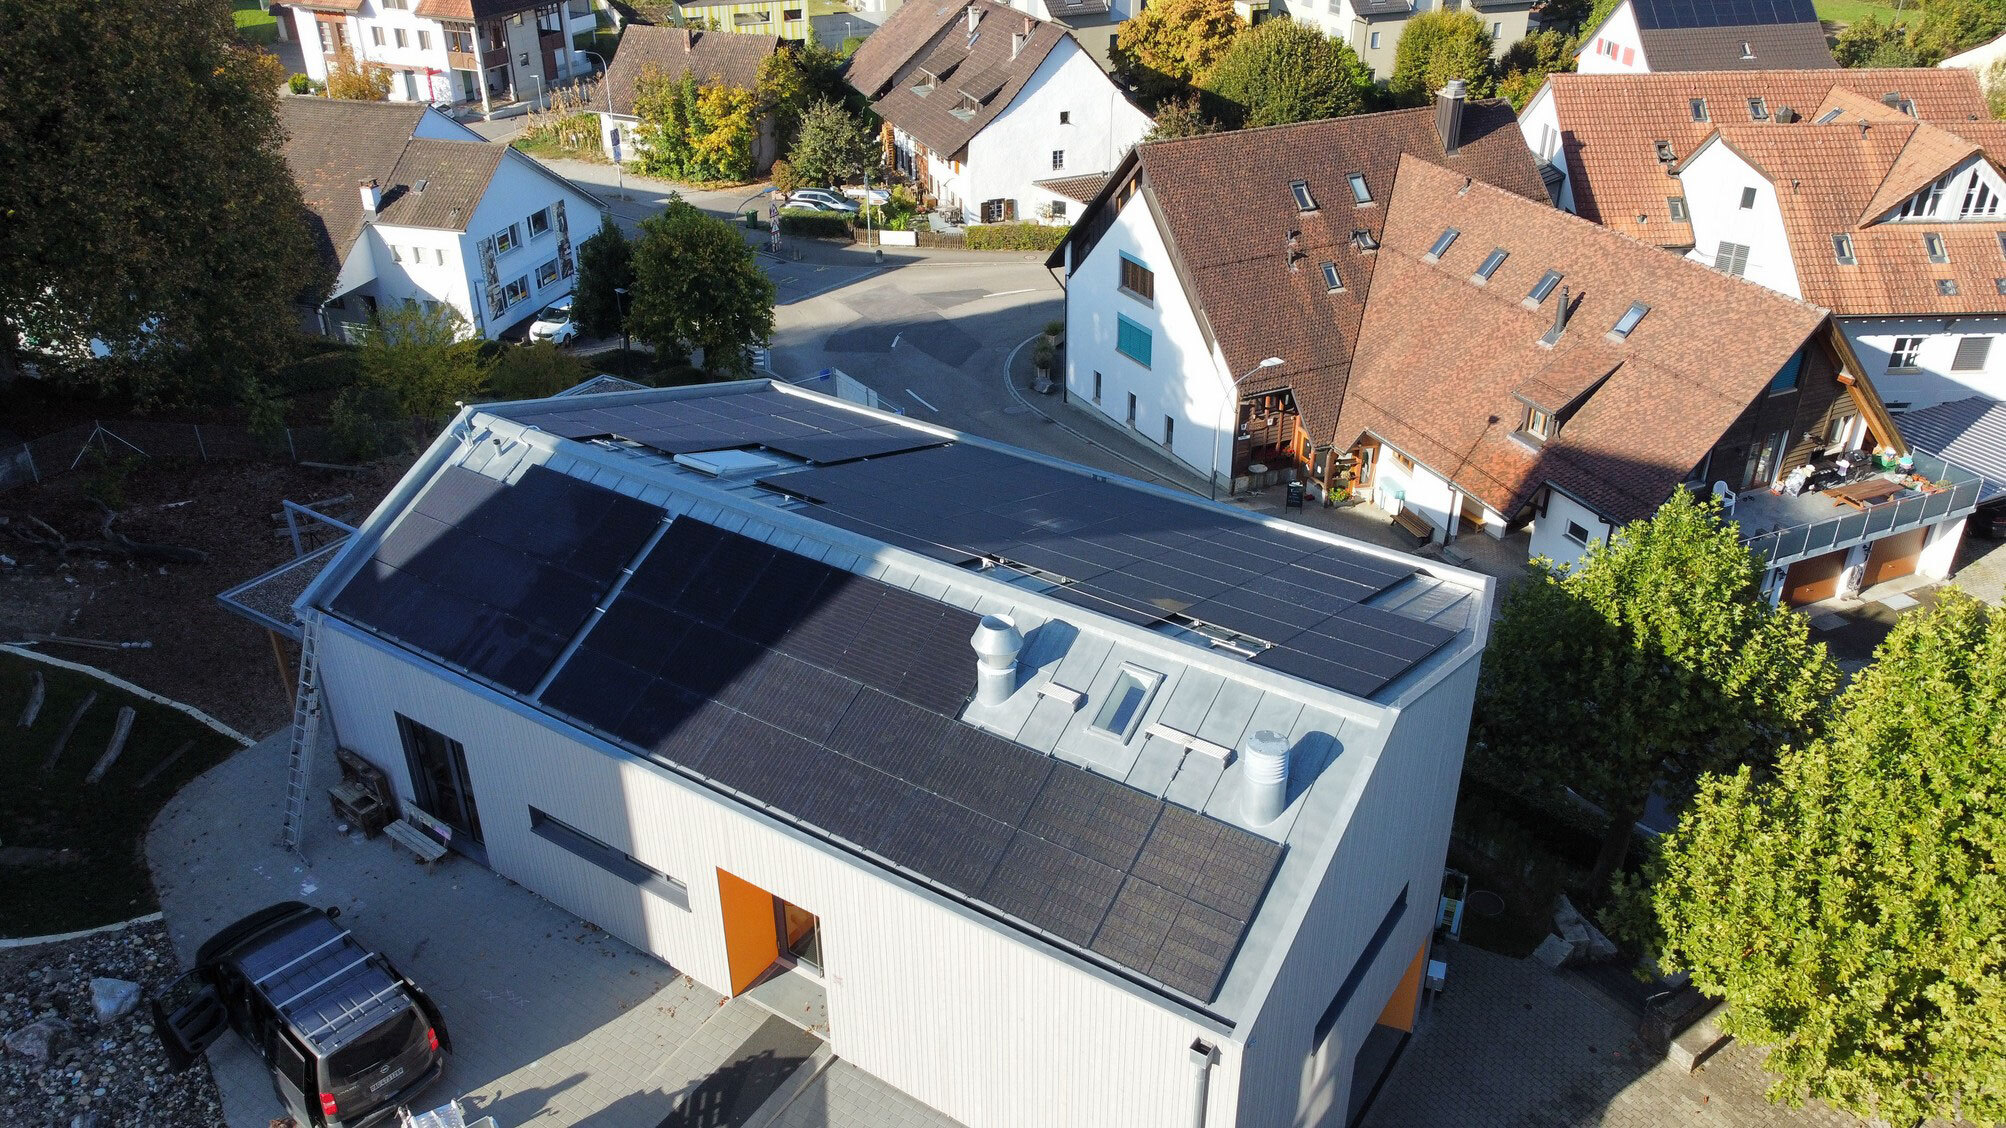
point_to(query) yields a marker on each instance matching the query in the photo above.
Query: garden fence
(85, 445)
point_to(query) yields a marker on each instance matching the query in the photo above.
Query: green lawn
(254, 23)
(1852, 11)
(104, 877)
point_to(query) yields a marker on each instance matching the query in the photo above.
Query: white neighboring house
(1646, 36)
(1373, 27)
(467, 52)
(1979, 59)
(414, 208)
(648, 50)
(993, 112)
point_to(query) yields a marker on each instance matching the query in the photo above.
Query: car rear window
(374, 1048)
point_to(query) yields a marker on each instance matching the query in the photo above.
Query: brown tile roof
(1226, 201)
(671, 51)
(1081, 188)
(1609, 123)
(1442, 363)
(332, 145)
(1855, 108)
(472, 9)
(909, 31)
(983, 74)
(329, 5)
(1792, 46)
(1846, 179)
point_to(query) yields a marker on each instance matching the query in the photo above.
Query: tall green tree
(1654, 660)
(1163, 51)
(1439, 45)
(833, 147)
(605, 266)
(1283, 71)
(1526, 64)
(146, 202)
(1851, 909)
(697, 286)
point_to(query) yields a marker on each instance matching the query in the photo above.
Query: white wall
(519, 188)
(1712, 182)
(1185, 378)
(1939, 552)
(1549, 533)
(411, 57)
(1979, 57)
(429, 265)
(1427, 493)
(308, 37)
(1933, 381)
(1016, 148)
(1540, 123)
(1619, 32)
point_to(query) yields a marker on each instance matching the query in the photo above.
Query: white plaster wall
(1933, 382)
(1939, 552)
(1427, 492)
(1712, 182)
(1620, 29)
(1540, 123)
(308, 37)
(1185, 379)
(519, 188)
(431, 87)
(1016, 148)
(417, 271)
(1549, 533)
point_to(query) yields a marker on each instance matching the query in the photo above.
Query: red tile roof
(1445, 366)
(1610, 122)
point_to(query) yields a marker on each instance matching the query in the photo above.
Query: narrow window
(1304, 201)
(1538, 423)
(402, 41)
(1758, 110)
(1933, 244)
(1097, 387)
(1630, 318)
(1490, 265)
(1442, 242)
(1542, 287)
(1747, 198)
(1058, 158)
(1947, 287)
(1786, 376)
(1331, 282)
(1131, 409)
(424, 40)
(1065, 117)
(376, 36)
(1842, 250)
(1169, 430)
(1363, 194)
(611, 859)
(1677, 206)
(1971, 354)
(1375, 41)
(1129, 696)
(1699, 109)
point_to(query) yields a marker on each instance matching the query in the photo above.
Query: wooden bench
(1414, 523)
(420, 833)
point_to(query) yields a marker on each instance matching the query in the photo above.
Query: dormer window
(1629, 320)
(1758, 110)
(1980, 201)
(1922, 205)
(1442, 242)
(1699, 109)
(1360, 193)
(1842, 250)
(1664, 151)
(1331, 282)
(1304, 201)
(1542, 288)
(1538, 424)
(1932, 244)
(1490, 265)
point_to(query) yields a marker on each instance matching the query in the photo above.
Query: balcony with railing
(1781, 529)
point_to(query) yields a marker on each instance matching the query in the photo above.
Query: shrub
(533, 371)
(814, 224)
(304, 84)
(1015, 237)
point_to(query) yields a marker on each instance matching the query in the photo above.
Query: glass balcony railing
(1776, 530)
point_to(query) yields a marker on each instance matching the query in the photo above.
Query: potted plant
(1053, 331)
(1041, 358)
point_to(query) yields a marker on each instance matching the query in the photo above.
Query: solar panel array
(833, 698)
(497, 578)
(793, 425)
(1135, 556)
(1656, 14)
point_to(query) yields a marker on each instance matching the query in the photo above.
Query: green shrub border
(1015, 236)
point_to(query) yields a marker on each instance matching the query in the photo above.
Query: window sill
(1131, 294)
(1905, 370)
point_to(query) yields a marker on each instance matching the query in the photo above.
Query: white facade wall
(1713, 182)
(1016, 148)
(428, 265)
(308, 37)
(519, 188)
(980, 1024)
(1933, 380)
(1540, 123)
(430, 77)
(1939, 552)
(1185, 379)
(1617, 47)
(1550, 537)
(1979, 58)
(1396, 487)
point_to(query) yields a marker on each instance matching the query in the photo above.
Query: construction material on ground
(153, 773)
(126, 715)
(94, 643)
(69, 729)
(38, 690)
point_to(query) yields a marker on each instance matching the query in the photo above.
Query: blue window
(1786, 379)
(1132, 341)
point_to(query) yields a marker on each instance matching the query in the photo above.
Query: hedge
(1015, 236)
(806, 224)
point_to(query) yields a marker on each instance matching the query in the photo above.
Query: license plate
(386, 1081)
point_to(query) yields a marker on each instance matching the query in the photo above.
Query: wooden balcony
(462, 60)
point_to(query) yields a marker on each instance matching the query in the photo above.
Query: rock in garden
(37, 1040)
(1554, 952)
(1586, 940)
(113, 998)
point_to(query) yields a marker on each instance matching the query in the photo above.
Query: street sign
(616, 146)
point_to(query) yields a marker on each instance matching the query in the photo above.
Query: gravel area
(100, 1075)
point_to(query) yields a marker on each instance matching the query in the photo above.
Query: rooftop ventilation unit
(997, 644)
(1264, 758)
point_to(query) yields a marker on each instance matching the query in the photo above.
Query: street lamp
(626, 349)
(605, 72)
(1225, 424)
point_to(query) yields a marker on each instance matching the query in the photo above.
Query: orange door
(1893, 557)
(1809, 581)
(751, 938)
(1399, 1012)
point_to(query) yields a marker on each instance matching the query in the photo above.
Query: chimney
(689, 38)
(974, 17)
(1449, 116)
(1785, 115)
(1264, 760)
(1559, 319)
(372, 198)
(997, 644)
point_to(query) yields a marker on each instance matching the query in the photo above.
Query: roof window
(1932, 243)
(1125, 702)
(1490, 265)
(1442, 242)
(1699, 109)
(1304, 201)
(1947, 287)
(1829, 116)
(1664, 151)
(2002, 242)
(1629, 320)
(1363, 239)
(1758, 110)
(1542, 288)
(1999, 284)
(1842, 250)
(1331, 281)
(1359, 190)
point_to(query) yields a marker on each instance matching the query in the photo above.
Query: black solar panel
(1662, 14)
(816, 432)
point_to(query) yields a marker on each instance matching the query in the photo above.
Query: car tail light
(327, 1104)
(432, 1039)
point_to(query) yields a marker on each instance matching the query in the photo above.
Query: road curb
(1010, 385)
(120, 683)
(59, 937)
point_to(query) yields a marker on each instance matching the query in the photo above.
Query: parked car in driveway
(821, 199)
(878, 196)
(347, 1037)
(554, 323)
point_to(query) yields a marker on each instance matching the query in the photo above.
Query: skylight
(1758, 110)
(1947, 287)
(1330, 279)
(1359, 191)
(1630, 319)
(1699, 109)
(1543, 287)
(1304, 200)
(1442, 242)
(1842, 249)
(1490, 265)
(1829, 116)
(1933, 244)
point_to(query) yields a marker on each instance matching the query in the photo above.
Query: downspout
(1204, 1056)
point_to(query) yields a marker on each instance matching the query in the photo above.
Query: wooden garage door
(1809, 581)
(1894, 557)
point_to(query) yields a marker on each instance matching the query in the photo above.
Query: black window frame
(607, 857)
(1367, 957)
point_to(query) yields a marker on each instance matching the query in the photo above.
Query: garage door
(1809, 581)
(1894, 557)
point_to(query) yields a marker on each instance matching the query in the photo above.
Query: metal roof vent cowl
(1449, 116)
(1265, 762)
(997, 643)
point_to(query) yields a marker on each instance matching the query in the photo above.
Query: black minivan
(348, 1037)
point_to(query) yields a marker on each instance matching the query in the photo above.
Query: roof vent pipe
(1559, 319)
(1449, 116)
(997, 643)
(1265, 764)
(974, 17)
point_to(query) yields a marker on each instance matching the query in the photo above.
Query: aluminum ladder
(306, 735)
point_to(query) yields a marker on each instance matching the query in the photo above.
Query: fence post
(33, 470)
(290, 449)
(200, 448)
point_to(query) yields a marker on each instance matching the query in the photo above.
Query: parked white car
(822, 199)
(554, 324)
(877, 196)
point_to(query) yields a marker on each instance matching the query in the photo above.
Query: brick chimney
(689, 38)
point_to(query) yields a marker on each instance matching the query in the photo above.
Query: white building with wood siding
(1081, 802)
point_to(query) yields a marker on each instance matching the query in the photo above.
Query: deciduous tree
(357, 81)
(605, 266)
(426, 357)
(1850, 908)
(1167, 48)
(1526, 64)
(1181, 117)
(1652, 661)
(695, 132)
(1869, 42)
(1437, 46)
(1283, 71)
(833, 147)
(697, 286)
(146, 202)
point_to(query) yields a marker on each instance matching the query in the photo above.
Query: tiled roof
(899, 40)
(329, 5)
(1842, 178)
(671, 51)
(1226, 200)
(471, 9)
(1969, 432)
(1081, 188)
(1443, 362)
(981, 72)
(1610, 122)
(332, 145)
(1792, 46)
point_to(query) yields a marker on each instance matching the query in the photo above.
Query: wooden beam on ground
(153, 773)
(69, 730)
(279, 656)
(37, 690)
(126, 715)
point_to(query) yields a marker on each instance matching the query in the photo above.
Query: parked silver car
(821, 199)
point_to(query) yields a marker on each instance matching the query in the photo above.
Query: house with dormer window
(997, 116)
